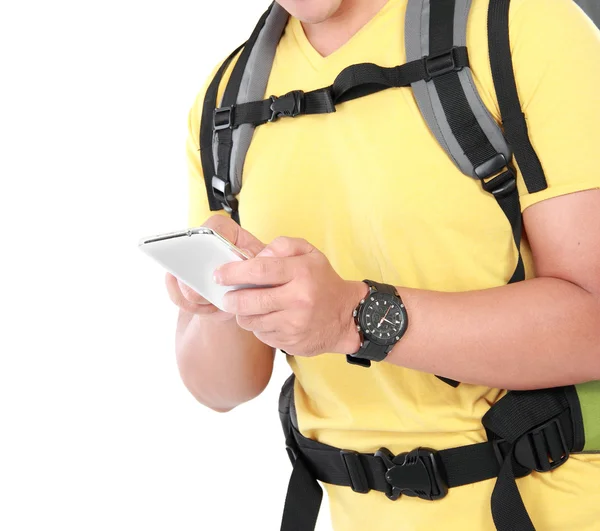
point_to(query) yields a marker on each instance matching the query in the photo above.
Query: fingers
(255, 301)
(271, 267)
(191, 295)
(257, 271)
(181, 300)
(231, 231)
(256, 323)
(286, 247)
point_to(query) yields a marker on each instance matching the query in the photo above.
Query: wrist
(350, 339)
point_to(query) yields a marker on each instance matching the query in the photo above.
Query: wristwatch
(381, 320)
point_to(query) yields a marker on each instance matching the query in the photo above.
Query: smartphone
(192, 255)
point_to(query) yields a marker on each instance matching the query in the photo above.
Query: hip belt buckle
(419, 473)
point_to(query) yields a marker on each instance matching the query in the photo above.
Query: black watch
(381, 320)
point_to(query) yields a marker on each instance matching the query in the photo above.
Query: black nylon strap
(353, 82)
(504, 189)
(206, 130)
(441, 26)
(512, 417)
(465, 127)
(516, 424)
(457, 109)
(463, 465)
(515, 125)
(224, 136)
(303, 500)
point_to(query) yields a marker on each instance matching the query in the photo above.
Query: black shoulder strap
(513, 119)
(218, 187)
(206, 129)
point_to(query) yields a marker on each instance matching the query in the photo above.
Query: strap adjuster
(544, 448)
(289, 104)
(356, 471)
(504, 181)
(419, 473)
(223, 118)
(440, 64)
(222, 192)
(292, 453)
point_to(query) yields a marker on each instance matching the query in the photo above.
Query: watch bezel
(378, 296)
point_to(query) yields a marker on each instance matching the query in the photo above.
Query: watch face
(383, 318)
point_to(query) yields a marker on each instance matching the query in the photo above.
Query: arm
(221, 364)
(543, 332)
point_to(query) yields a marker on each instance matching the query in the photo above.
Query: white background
(96, 430)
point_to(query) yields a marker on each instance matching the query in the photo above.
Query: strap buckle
(292, 453)
(356, 471)
(222, 192)
(223, 118)
(419, 473)
(504, 181)
(544, 448)
(289, 104)
(440, 64)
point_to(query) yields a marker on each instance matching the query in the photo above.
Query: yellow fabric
(371, 188)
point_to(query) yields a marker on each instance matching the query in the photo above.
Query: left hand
(305, 307)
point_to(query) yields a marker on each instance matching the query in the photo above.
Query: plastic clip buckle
(223, 118)
(418, 473)
(222, 192)
(504, 183)
(289, 104)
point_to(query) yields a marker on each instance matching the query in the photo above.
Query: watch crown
(363, 301)
(358, 327)
(354, 313)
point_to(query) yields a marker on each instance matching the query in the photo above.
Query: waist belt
(429, 474)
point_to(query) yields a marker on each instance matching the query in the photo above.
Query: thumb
(284, 247)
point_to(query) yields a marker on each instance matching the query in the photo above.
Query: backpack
(592, 8)
(527, 430)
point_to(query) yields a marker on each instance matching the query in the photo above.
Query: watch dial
(383, 320)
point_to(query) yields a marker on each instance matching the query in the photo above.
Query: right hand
(189, 300)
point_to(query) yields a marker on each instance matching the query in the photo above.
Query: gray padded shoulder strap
(417, 46)
(253, 87)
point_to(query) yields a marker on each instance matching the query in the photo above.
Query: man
(367, 193)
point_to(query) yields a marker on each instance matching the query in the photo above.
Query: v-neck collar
(333, 59)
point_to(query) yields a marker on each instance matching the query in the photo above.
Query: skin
(221, 364)
(329, 24)
(554, 319)
(226, 358)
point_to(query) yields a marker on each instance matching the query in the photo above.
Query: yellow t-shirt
(371, 188)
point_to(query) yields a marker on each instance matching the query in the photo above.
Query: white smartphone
(192, 255)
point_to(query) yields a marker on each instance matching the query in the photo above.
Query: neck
(327, 36)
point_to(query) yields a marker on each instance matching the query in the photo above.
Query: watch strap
(371, 351)
(383, 288)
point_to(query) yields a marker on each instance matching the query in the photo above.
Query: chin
(311, 11)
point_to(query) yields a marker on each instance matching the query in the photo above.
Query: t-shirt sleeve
(556, 55)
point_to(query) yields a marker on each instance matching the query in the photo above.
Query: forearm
(221, 364)
(543, 332)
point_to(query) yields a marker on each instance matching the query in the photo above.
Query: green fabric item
(589, 398)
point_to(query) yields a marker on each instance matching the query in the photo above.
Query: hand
(305, 307)
(189, 300)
